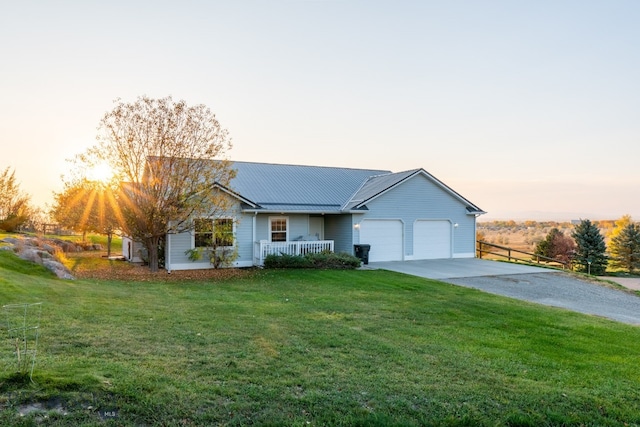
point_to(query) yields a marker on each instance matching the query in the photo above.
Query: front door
(316, 227)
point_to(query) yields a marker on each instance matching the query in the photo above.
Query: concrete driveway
(441, 269)
(540, 285)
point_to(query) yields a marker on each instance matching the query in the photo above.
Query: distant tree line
(585, 245)
(16, 211)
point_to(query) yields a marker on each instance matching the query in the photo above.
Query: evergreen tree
(543, 247)
(590, 248)
(625, 248)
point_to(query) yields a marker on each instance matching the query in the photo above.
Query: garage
(385, 238)
(431, 239)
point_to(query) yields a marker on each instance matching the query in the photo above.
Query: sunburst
(101, 172)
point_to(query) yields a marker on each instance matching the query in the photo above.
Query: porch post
(253, 237)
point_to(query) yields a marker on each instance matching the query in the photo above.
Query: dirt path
(627, 282)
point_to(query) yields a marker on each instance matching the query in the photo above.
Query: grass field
(310, 348)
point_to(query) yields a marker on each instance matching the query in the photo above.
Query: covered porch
(263, 248)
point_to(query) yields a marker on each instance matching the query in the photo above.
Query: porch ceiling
(294, 208)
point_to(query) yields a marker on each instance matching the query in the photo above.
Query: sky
(529, 109)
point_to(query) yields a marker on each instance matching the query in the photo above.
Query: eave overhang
(232, 193)
(475, 211)
(286, 208)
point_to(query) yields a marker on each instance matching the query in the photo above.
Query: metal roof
(271, 187)
(280, 187)
(376, 185)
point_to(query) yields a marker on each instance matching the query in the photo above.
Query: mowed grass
(312, 348)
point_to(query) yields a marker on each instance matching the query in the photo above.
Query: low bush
(334, 261)
(286, 261)
(323, 260)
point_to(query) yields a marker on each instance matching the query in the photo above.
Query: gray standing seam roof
(315, 189)
(277, 187)
(376, 185)
(319, 189)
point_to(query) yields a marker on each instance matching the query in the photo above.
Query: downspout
(475, 236)
(253, 237)
(167, 253)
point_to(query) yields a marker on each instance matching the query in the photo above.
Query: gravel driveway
(561, 290)
(542, 286)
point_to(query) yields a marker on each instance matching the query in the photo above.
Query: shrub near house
(324, 260)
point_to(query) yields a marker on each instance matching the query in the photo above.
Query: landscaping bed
(123, 270)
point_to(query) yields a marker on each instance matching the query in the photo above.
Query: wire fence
(22, 322)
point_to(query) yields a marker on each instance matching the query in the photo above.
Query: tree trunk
(109, 239)
(152, 250)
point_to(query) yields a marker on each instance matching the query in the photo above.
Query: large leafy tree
(170, 159)
(86, 205)
(590, 255)
(619, 225)
(14, 203)
(557, 246)
(625, 248)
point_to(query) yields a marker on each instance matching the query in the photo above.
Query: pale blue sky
(521, 106)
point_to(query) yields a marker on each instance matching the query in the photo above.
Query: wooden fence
(515, 255)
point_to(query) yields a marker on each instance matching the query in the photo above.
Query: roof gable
(378, 185)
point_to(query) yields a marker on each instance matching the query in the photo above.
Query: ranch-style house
(295, 209)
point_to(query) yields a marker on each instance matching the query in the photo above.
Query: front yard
(269, 347)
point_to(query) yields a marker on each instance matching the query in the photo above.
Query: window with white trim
(210, 232)
(278, 229)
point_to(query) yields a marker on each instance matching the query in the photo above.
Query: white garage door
(431, 239)
(385, 238)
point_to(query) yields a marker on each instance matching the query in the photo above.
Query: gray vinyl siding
(244, 238)
(262, 227)
(417, 199)
(298, 226)
(182, 242)
(339, 229)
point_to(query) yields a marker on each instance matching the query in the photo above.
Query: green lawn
(312, 348)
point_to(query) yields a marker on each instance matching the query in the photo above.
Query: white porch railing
(264, 248)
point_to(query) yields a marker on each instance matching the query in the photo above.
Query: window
(278, 229)
(213, 232)
(224, 232)
(203, 232)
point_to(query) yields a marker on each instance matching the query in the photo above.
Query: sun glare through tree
(101, 172)
(89, 205)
